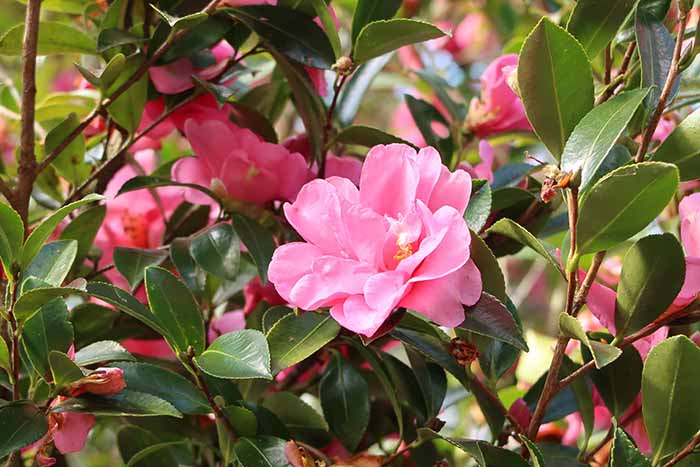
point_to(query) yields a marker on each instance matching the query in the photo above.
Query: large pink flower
(398, 241)
(176, 77)
(499, 109)
(239, 161)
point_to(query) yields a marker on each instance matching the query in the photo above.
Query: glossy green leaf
(100, 352)
(622, 203)
(515, 231)
(535, 453)
(54, 262)
(41, 233)
(344, 395)
(595, 22)
(126, 110)
(425, 115)
(5, 356)
(169, 386)
(491, 275)
(131, 262)
(141, 448)
(11, 237)
(145, 181)
(682, 147)
(655, 46)
(290, 32)
(656, 8)
(237, 355)
(484, 453)
(49, 329)
(299, 417)
(620, 382)
(603, 354)
(29, 302)
(555, 82)
(368, 11)
(261, 451)
(653, 272)
(84, 227)
(431, 380)
(70, 163)
(63, 370)
(383, 36)
(367, 136)
(479, 207)
(182, 22)
(327, 20)
(258, 241)
(21, 424)
(669, 387)
(624, 453)
(54, 38)
(126, 403)
(191, 274)
(247, 117)
(242, 419)
(490, 318)
(175, 309)
(296, 337)
(597, 132)
(217, 250)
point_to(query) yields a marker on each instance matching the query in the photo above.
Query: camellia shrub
(359, 233)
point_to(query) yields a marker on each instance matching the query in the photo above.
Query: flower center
(252, 173)
(135, 229)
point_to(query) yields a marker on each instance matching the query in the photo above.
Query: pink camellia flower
(347, 166)
(398, 241)
(176, 77)
(151, 140)
(228, 322)
(499, 109)
(239, 165)
(483, 169)
(102, 381)
(663, 129)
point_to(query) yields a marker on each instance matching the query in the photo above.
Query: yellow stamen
(403, 252)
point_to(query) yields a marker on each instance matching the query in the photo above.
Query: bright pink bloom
(398, 241)
(475, 38)
(176, 77)
(499, 109)
(240, 163)
(347, 167)
(254, 292)
(157, 348)
(228, 322)
(151, 140)
(483, 169)
(663, 129)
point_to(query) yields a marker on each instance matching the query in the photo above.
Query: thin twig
(608, 64)
(338, 85)
(688, 450)
(582, 293)
(666, 92)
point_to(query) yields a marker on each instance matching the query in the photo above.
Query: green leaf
(603, 354)
(112, 70)
(624, 453)
(242, 419)
(261, 451)
(344, 395)
(555, 82)
(100, 352)
(656, 8)
(237, 355)
(41, 233)
(655, 46)
(259, 242)
(126, 303)
(54, 38)
(21, 424)
(111, 38)
(84, 228)
(619, 383)
(535, 453)
(184, 22)
(431, 380)
(289, 32)
(583, 395)
(296, 337)
(479, 207)
(299, 417)
(49, 329)
(424, 115)
(70, 163)
(29, 302)
(490, 318)
(622, 203)
(383, 36)
(11, 237)
(145, 181)
(682, 147)
(126, 110)
(202, 36)
(491, 274)
(162, 383)
(192, 275)
(653, 272)
(137, 446)
(484, 453)
(175, 310)
(54, 262)
(324, 15)
(131, 263)
(597, 132)
(669, 386)
(217, 250)
(515, 231)
(127, 403)
(5, 356)
(595, 22)
(368, 11)
(73, 7)
(367, 136)
(63, 370)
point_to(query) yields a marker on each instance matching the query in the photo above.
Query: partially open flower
(103, 381)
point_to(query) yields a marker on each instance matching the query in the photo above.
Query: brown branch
(619, 77)
(690, 447)
(608, 64)
(340, 81)
(27, 162)
(666, 92)
(582, 293)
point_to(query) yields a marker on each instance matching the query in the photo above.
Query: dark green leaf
(261, 451)
(424, 115)
(484, 453)
(54, 38)
(682, 148)
(297, 415)
(247, 117)
(344, 395)
(126, 403)
(624, 453)
(669, 387)
(192, 275)
(29, 302)
(652, 274)
(49, 329)
(175, 310)
(535, 453)
(489, 317)
(595, 22)
(656, 8)
(126, 110)
(619, 383)
(21, 424)
(383, 36)
(101, 351)
(54, 262)
(63, 369)
(431, 380)
(131, 262)
(515, 231)
(367, 136)
(368, 11)
(491, 275)
(622, 203)
(479, 207)
(137, 447)
(259, 242)
(70, 163)
(555, 83)
(656, 46)
(243, 420)
(296, 337)
(145, 181)
(110, 38)
(11, 237)
(237, 355)
(217, 250)
(84, 228)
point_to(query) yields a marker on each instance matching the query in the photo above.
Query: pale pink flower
(398, 241)
(240, 163)
(176, 77)
(483, 169)
(499, 109)
(228, 322)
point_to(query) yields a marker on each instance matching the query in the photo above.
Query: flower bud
(102, 381)
(464, 352)
(343, 65)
